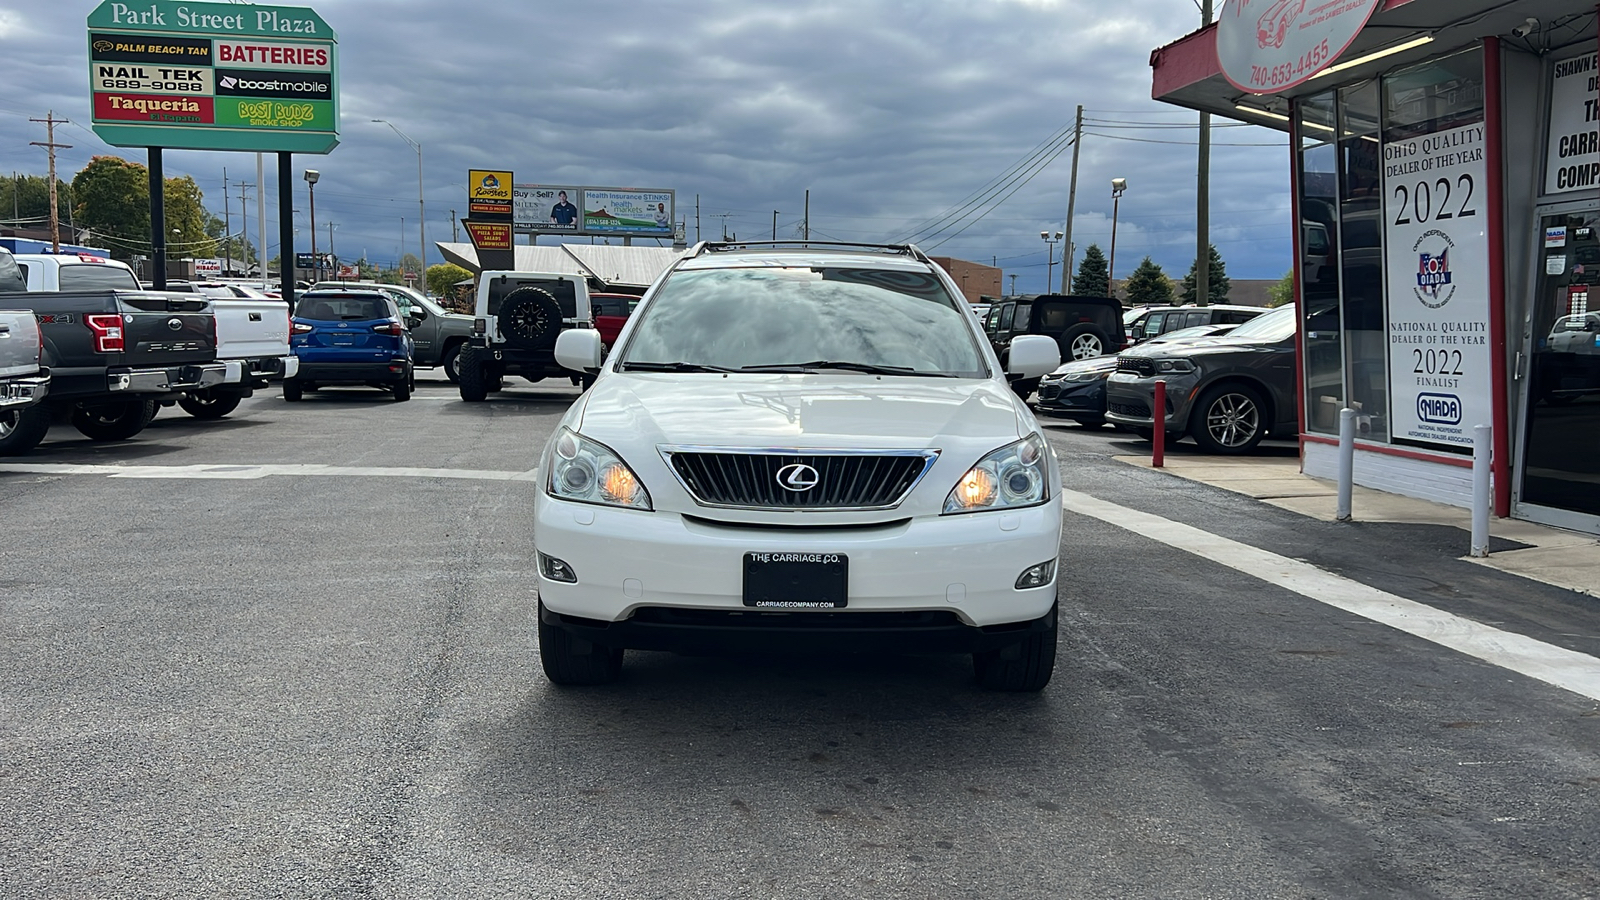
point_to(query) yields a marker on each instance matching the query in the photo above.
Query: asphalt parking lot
(291, 653)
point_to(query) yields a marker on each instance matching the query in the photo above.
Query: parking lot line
(1554, 665)
(248, 473)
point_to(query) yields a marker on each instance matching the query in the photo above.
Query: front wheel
(1021, 668)
(22, 429)
(114, 421)
(569, 660)
(1229, 419)
(451, 363)
(209, 405)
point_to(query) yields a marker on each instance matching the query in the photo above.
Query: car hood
(800, 411)
(1196, 347)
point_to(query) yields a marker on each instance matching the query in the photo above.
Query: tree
(26, 200)
(237, 248)
(443, 277)
(1149, 286)
(1282, 293)
(1094, 274)
(113, 200)
(1217, 283)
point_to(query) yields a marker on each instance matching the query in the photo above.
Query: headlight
(1174, 366)
(590, 472)
(1091, 376)
(1013, 476)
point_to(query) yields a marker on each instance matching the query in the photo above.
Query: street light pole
(311, 176)
(422, 212)
(1118, 185)
(1050, 258)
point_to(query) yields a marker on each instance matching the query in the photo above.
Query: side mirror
(579, 349)
(1033, 356)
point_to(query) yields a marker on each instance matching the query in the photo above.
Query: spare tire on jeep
(530, 318)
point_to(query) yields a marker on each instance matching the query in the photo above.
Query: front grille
(1136, 366)
(1135, 410)
(797, 620)
(1049, 391)
(842, 481)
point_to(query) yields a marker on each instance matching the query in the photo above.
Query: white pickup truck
(23, 382)
(252, 333)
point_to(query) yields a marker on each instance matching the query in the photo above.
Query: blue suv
(350, 337)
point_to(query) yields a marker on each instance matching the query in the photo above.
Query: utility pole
(724, 218)
(261, 219)
(805, 227)
(774, 224)
(227, 227)
(244, 217)
(697, 218)
(455, 233)
(49, 143)
(1202, 213)
(1072, 201)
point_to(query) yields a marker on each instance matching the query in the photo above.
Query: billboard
(213, 76)
(575, 209)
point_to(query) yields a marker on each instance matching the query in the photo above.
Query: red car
(611, 312)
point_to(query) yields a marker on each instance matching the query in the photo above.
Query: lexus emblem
(175, 324)
(798, 477)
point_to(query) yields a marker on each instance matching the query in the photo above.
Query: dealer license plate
(796, 580)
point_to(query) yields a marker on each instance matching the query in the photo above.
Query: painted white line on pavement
(248, 473)
(1563, 668)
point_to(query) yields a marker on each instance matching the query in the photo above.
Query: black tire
(1033, 662)
(402, 390)
(530, 318)
(572, 661)
(291, 391)
(209, 404)
(114, 421)
(588, 381)
(21, 430)
(1084, 341)
(1230, 419)
(473, 381)
(451, 363)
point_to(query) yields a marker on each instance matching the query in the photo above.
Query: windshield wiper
(672, 367)
(869, 368)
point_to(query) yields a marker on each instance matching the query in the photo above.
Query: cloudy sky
(928, 120)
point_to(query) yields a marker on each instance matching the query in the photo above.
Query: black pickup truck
(115, 356)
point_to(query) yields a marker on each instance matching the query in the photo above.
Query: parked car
(1077, 390)
(436, 333)
(252, 341)
(75, 272)
(819, 482)
(24, 383)
(1082, 327)
(1227, 392)
(611, 312)
(349, 337)
(517, 319)
(1158, 320)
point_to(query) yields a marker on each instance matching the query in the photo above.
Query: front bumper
(1130, 400)
(174, 379)
(965, 566)
(17, 393)
(1072, 398)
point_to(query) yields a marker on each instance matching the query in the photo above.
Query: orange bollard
(1158, 437)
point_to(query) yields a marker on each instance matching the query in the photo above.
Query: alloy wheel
(1233, 420)
(1086, 346)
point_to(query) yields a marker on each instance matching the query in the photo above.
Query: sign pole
(285, 228)
(158, 222)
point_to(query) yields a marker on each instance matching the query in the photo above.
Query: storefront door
(1559, 471)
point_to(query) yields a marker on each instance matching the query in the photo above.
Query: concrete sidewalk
(1553, 556)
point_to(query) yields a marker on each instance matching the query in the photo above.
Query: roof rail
(910, 250)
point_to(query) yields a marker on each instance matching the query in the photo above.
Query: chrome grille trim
(744, 477)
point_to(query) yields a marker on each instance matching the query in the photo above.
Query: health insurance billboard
(573, 209)
(213, 76)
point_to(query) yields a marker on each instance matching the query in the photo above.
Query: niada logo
(1435, 286)
(1439, 409)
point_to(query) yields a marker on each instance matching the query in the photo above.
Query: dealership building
(1445, 164)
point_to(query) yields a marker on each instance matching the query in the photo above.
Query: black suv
(1083, 327)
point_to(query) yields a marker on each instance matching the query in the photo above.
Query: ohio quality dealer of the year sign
(213, 76)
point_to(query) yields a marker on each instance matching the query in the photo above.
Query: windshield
(1270, 328)
(742, 318)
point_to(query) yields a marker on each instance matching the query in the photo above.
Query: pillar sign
(1267, 46)
(489, 218)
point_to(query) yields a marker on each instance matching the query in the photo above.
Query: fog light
(1036, 576)
(557, 570)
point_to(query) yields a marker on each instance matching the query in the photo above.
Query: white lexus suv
(800, 447)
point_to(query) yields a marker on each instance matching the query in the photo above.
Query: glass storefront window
(1365, 327)
(1319, 265)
